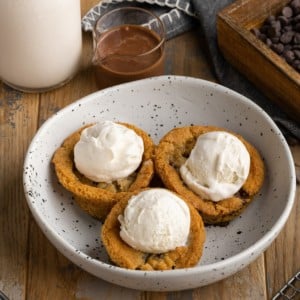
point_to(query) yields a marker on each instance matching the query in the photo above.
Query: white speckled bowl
(157, 105)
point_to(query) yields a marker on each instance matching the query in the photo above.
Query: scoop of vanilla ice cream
(217, 167)
(108, 151)
(155, 221)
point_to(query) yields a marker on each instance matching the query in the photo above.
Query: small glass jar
(128, 45)
(40, 43)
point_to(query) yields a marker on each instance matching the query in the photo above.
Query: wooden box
(261, 65)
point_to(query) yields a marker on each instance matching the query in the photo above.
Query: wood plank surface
(18, 123)
(31, 268)
(283, 256)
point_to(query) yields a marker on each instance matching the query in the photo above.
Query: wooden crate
(261, 65)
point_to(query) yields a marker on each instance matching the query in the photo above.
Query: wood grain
(18, 123)
(284, 251)
(238, 286)
(31, 268)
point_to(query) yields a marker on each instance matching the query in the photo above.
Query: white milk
(40, 42)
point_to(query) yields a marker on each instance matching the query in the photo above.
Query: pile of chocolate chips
(282, 33)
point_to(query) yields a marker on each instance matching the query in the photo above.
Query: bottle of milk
(40, 43)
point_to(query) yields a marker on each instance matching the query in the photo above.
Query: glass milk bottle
(40, 43)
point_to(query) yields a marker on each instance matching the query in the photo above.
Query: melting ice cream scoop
(155, 221)
(217, 167)
(108, 151)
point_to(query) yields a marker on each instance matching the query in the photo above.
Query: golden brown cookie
(125, 256)
(173, 150)
(97, 199)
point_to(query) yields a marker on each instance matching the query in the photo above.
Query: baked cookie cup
(97, 198)
(172, 152)
(125, 256)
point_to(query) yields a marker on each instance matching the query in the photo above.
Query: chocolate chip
(288, 47)
(282, 33)
(284, 21)
(264, 29)
(297, 53)
(289, 55)
(263, 37)
(297, 27)
(268, 42)
(275, 40)
(287, 12)
(287, 28)
(278, 48)
(273, 31)
(295, 5)
(297, 38)
(270, 19)
(297, 19)
(287, 37)
(296, 64)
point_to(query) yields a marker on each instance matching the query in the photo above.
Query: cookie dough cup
(174, 149)
(97, 199)
(125, 256)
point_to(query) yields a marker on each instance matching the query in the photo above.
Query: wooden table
(31, 268)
